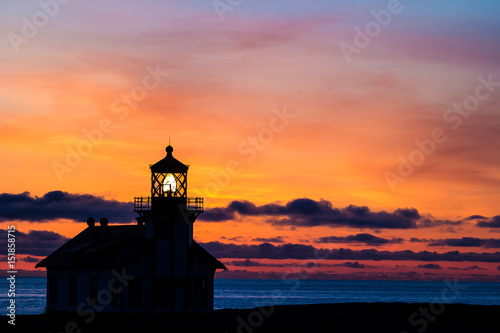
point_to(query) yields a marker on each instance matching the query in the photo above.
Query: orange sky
(268, 90)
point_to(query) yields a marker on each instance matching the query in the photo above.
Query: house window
(52, 290)
(73, 290)
(135, 292)
(93, 290)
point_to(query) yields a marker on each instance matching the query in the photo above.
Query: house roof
(204, 253)
(107, 247)
(169, 164)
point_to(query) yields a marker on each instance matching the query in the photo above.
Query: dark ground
(350, 317)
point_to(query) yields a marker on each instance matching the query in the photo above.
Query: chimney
(91, 222)
(104, 222)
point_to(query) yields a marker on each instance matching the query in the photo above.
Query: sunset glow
(364, 128)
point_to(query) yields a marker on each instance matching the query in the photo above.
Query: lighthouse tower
(168, 216)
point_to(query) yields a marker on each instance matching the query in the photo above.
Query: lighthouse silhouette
(152, 266)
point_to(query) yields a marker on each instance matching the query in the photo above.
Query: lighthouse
(151, 266)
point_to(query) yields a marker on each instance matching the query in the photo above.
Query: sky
(343, 139)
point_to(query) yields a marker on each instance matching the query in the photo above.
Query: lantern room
(169, 177)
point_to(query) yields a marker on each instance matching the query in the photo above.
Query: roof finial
(169, 149)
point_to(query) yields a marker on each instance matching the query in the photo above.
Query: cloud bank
(304, 212)
(299, 251)
(63, 205)
(35, 242)
(362, 238)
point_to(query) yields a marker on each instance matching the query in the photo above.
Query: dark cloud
(430, 222)
(253, 263)
(247, 263)
(277, 239)
(351, 265)
(430, 266)
(363, 238)
(35, 242)
(300, 251)
(493, 222)
(31, 259)
(245, 274)
(306, 212)
(474, 267)
(234, 239)
(305, 265)
(217, 215)
(475, 217)
(63, 205)
(418, 240)
(263, 250)
(467, 242)
(350, 216)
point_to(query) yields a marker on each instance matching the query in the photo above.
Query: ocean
(231, 293)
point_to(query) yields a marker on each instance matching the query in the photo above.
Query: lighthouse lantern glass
(169, 183)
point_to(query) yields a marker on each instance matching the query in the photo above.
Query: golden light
(169, 183)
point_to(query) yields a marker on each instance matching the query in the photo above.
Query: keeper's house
(153, 266)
